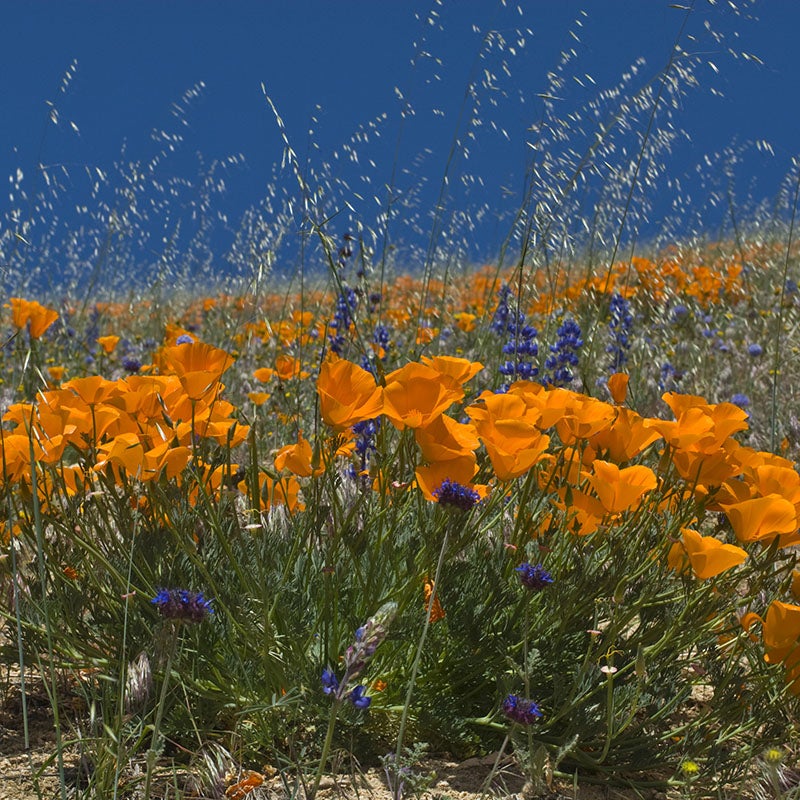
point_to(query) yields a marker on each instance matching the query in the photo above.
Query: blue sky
(341, 63)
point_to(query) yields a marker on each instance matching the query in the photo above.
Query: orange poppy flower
(620, 489)
(296, 458)
(762, 518)
(706, 555)
(124, 451)
(618, 387)
(258, 398)
(459, 369)
(29, 312)
(444, 438)
(108, 343)
(198, 365)
(626, 437)
(347, 394)
(93, 389)
(416, 394)
(507, 428)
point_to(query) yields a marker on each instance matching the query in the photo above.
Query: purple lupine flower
(564, 354)
(358, 698)
(367, 639)
(330, 683)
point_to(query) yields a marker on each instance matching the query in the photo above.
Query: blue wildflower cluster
(131, 364)
(669, 377)
(534, 576)
(741, 400)
(563, 354)
(365, 433)
(522, 346)
(451, 493)
(755, 350)
(343, 316)
(346, 302)
(182, 605)
(502, 314)
(521, 343)
(619, 327)
(520, 710)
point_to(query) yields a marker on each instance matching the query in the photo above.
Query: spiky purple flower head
(182, 605)
(520, 710)
(451, 493)
(534, 576)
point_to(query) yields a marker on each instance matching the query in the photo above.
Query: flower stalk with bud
(367, 639)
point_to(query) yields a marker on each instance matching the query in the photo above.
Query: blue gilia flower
(520, 710)
(534, 576)
(182, 605)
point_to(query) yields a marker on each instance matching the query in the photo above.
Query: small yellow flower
(774, 756)
(690, 769)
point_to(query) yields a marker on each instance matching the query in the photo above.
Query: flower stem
(326, 748)
(418, 658)
(152, 753)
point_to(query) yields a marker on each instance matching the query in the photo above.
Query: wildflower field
(543, 512)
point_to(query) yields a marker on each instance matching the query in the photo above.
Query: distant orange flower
(348, 394)
(29, 312)
(243, 787)
(108, 343)
(465, 321)
(288, 367)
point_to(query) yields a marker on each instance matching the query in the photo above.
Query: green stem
(326, 748)
(152, 753)
(418, 658)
